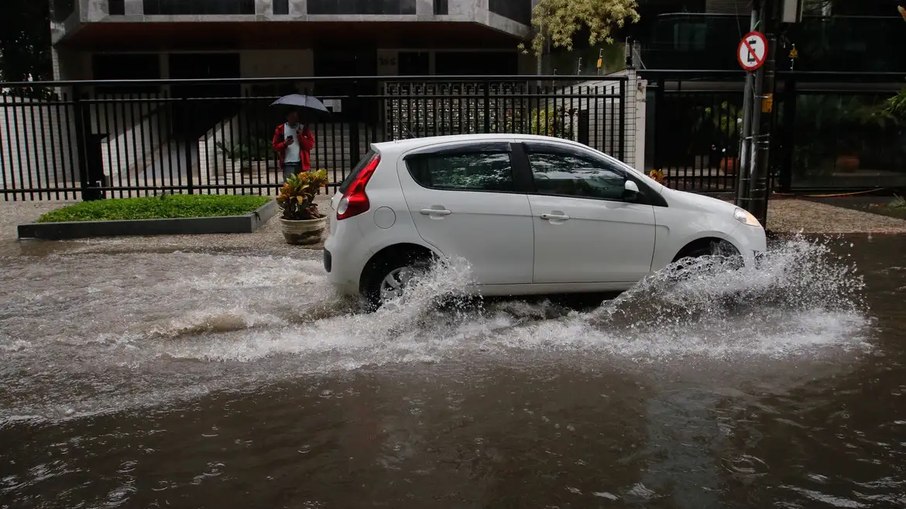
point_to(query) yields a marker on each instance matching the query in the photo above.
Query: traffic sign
(752, 51)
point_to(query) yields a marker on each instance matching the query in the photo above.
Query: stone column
(264, 7)
(424, 8)
(94, 10)
(298, 7)
(134, 7)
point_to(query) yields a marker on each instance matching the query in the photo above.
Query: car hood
(692, 201)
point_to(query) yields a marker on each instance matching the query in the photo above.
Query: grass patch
(156, 207)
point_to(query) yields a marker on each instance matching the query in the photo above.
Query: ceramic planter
(303, 231)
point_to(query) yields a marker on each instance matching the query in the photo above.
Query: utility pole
(758, 113)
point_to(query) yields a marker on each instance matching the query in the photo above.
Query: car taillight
(354, 200)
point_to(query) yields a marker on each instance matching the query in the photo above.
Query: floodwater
(239, 380)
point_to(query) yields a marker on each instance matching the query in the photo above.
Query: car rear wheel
(389, 279)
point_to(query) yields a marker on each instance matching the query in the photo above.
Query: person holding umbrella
(293, 142)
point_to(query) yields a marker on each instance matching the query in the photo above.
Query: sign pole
(745, 148)
(755, 54)
(759, 192)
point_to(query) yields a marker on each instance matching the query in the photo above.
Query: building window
(414, 63)
(126, 66)
(61, 9)
(441, 8)
(361, 7)
(465, 63)
(116, 7)
(199, 7)
(517, 10)
(281, 6)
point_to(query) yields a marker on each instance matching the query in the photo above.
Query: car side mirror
(630, 190)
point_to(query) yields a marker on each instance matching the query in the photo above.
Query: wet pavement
(237, 379)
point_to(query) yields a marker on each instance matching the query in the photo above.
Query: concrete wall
(276, 63)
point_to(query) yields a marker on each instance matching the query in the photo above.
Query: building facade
(148, 39)
(835, 71)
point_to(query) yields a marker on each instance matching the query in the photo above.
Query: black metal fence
(831, 131)
(71, 140)
(695, 137)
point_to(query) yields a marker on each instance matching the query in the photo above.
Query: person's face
(293, 117)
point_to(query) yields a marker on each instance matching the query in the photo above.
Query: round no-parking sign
(752, 51)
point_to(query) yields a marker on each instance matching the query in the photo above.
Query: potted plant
(301, 222)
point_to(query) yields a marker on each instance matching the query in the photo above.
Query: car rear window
(355, 171)
(470, 171)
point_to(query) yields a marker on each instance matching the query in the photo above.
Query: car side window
(572, 175)
(468, 171)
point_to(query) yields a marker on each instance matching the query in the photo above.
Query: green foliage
(25, 41)
(553, 121)
(297, 196)
(895, 107)
(561, 20)
(258, 150)
(156, 207)
(898, 202)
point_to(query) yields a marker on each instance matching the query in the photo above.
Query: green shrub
(156, 207)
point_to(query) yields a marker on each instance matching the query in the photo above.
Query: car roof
(412, 143)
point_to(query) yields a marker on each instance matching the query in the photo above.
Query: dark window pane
(361, 7)
(281, 6)
(116, 7)
(134, 66)
(518, 10)
(61, 9)
(567, 175)
(441, 8)
(476, 171)
(199, 6)
(413, 63)
(465, 63)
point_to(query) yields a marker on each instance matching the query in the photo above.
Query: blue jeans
(290, 169)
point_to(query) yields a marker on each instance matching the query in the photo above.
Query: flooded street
(235, 379)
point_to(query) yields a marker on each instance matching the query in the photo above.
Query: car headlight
(743, 216)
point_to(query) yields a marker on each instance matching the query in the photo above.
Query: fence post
(788, 140)
(81, 142)
(188, 142)
(659, 123)
(354, 115)
(487, 106)
(623, 107)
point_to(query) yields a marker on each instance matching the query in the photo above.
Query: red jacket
(306, 141)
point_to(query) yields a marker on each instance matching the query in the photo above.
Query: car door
(587, 228)
(463, 201)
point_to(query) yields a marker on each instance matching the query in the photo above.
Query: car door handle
(436, 212)
(554, 217)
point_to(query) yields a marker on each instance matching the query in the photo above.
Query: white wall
(37, 144)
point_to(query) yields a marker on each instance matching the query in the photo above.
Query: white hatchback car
(531, 214)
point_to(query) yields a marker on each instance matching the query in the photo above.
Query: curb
(247, 223)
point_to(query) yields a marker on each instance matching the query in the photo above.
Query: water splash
(89, 333)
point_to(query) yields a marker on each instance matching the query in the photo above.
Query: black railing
(65, 140)
(829, 132)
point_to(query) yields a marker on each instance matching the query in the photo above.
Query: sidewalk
(268, 239)
(784, 216)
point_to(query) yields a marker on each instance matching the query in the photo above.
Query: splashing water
(90, 333)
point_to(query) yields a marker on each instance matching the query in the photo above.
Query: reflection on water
(143, 379)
